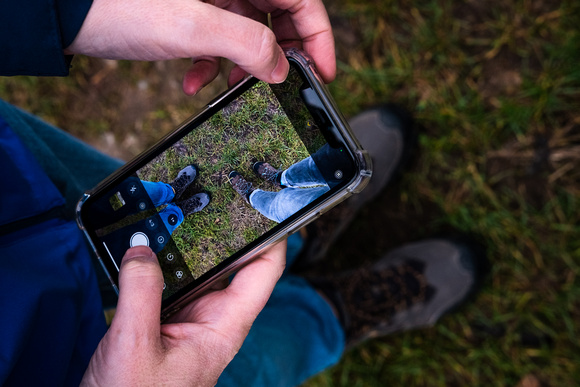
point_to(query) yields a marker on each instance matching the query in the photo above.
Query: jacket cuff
(35, 33)
(71, 14)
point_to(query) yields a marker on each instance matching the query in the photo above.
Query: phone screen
(224, 182)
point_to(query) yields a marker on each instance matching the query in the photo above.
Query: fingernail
(139, 252)
(282, 67)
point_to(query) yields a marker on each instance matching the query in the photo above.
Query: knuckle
(266, 47)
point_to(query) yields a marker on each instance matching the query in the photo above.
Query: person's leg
(54, 315)
(278, 206)
(160, 193)
(296, 336)
(174, 213)
(73, 166)
(294, 244)
(172, 217)
(304, 173)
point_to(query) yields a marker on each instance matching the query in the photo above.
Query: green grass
(494, 88)
(252, 128)
(495, 91)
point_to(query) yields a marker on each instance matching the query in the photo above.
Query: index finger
(252, 285)
(304, 23)
(234, 308)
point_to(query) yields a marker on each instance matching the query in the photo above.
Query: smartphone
(258, 163)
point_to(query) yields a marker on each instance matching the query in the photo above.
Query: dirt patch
(534, 165)
(501, 75)
(122, 108)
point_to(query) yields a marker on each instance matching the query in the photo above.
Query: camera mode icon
(172, 219)
(133, 189)
(151, 223)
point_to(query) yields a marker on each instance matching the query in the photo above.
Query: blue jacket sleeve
(35, 33)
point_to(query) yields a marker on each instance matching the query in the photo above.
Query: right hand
(194, 346)
(232, 29)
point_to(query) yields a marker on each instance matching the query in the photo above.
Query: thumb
(140, 289)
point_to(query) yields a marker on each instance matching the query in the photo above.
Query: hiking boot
(184, 178)
(268, 173)
(386, 133)
(410, 287)
(241, 185)
(194, 204)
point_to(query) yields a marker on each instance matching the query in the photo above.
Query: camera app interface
(233, 178)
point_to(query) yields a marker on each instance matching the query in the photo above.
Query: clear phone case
(362, 178)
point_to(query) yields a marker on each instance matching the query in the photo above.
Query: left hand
(232, 29)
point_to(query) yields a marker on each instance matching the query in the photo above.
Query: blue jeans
(304, 184)
(161, 194)
(295, 336)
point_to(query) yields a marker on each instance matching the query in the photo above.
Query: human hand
(232, 29)
(197, 343)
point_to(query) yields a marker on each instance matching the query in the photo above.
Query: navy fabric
(51, 318)
(71, 165)
(35, 32)
(20, 198)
